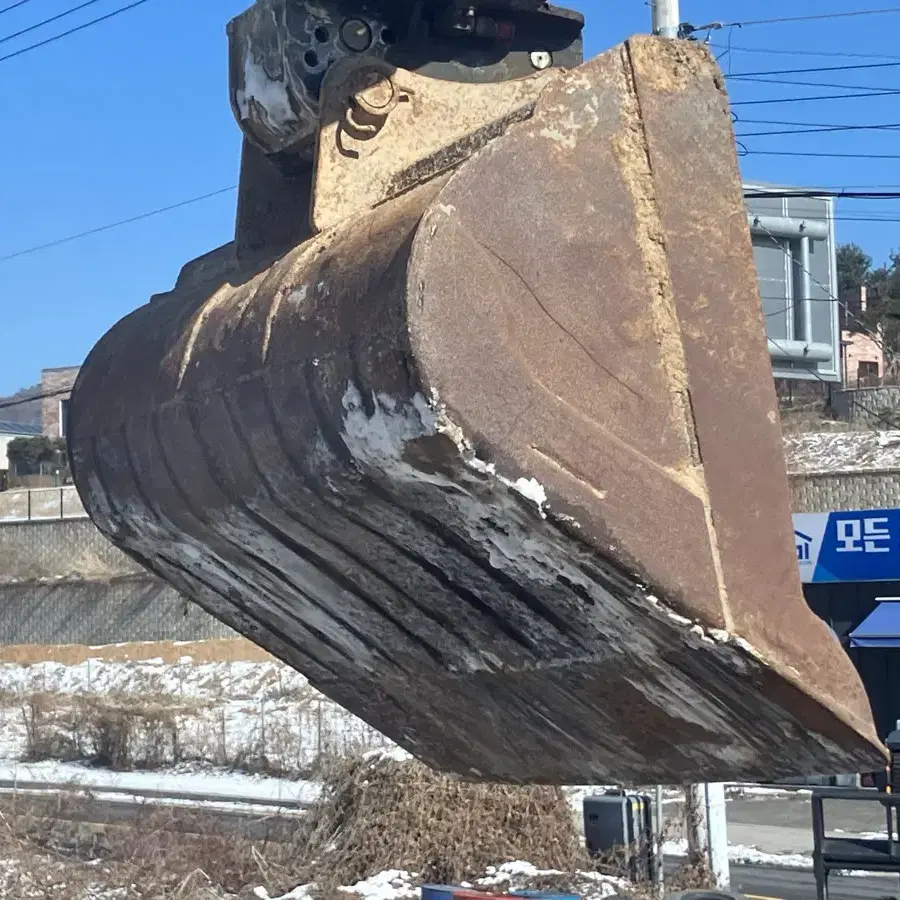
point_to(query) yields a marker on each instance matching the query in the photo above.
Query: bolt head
(356, 35)
(541, 59)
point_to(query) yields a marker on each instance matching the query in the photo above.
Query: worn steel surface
(472, 461)
(366, 154)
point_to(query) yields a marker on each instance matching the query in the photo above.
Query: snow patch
(224, 711)
(381, 438)
(742, 854)
(842, 451)
(529, 488)
(394, 754)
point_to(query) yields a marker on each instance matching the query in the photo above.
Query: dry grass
(209, 651)
(810, 416)
(114, 732)
(375, 815)
(292, 737)
(162, 854)
(380, 814)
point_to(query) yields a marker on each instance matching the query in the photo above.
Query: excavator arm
(473, 423)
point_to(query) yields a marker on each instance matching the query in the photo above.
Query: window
(64, 418)
(867, 373)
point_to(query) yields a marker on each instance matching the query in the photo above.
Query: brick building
(862, 356)
(56, 386)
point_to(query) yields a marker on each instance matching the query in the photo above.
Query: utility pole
(659, 822)
(707, 831)
(666, 17)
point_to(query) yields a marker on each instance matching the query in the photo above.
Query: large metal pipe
(800, 350)
(805, 299)
(777, 226)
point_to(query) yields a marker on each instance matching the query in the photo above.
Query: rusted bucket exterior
(497, 464)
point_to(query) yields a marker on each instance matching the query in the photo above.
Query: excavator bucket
(474, 422)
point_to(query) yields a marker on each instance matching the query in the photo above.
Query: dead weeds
(106, 730)
(376, 813)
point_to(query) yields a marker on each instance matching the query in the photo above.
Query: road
(799, 884)
(783, 824)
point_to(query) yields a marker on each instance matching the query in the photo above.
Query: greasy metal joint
(356, 35)
(372, 97)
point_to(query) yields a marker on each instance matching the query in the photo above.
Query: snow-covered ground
(250, 715)
(741, 854)
(226, 715)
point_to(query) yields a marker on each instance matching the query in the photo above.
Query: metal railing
(843, 854)
(41, 504)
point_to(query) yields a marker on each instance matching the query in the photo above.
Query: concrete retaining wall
(857, 490)
(73, 548)
(98, 612)
(868, 407)
(64, 582)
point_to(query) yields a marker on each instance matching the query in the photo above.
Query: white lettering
(849, 532)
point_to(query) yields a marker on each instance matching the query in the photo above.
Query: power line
(792, 124)
(823, 187)
(688, 29)
(822, 84)
(845, 193)
(786, 123)
(822, 129)
(888, 220)
(886, 93)
(836, 54)
(63, 34)
(41, 24)
(862, 192)
(30, 398)
(118, 224)
(818, 155)
(16, 5)
(809, 70)
(810, 18)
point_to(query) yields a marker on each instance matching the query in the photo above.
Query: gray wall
(862, 490)
(868, 407)
(63, 583)
(101, 612)
(68, 548)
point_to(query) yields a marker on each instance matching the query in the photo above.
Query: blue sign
(859, 545)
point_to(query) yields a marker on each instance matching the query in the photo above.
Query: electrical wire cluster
(52, 39)
(804, 85)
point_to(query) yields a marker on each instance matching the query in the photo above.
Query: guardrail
(847, 854)
(137, 794)
(41, 504)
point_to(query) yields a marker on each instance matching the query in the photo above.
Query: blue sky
(133, 114)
